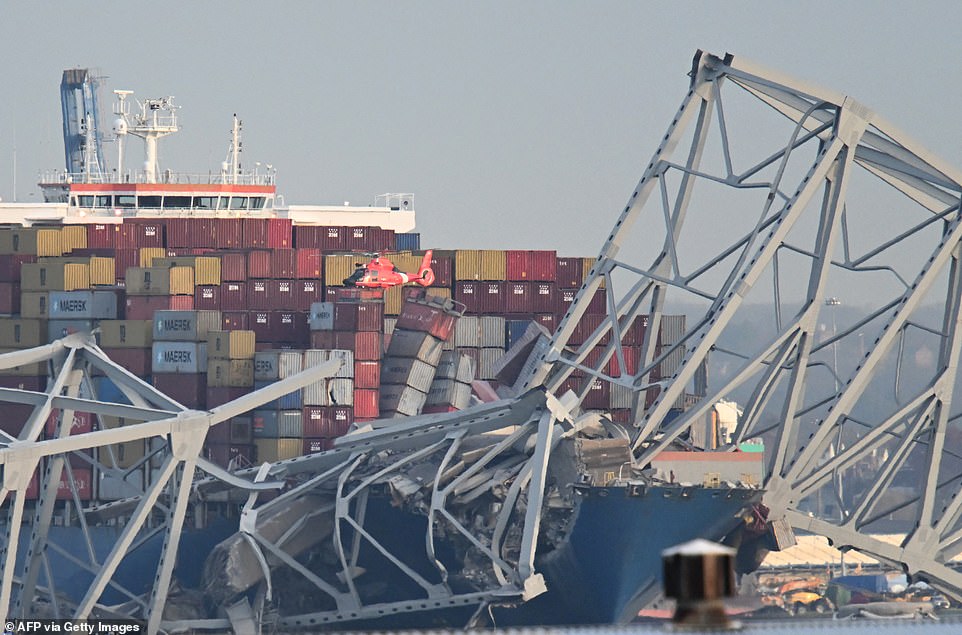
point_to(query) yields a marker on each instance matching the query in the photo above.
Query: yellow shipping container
(407, 262)
(467, 264)
(48, 242)
(207, 270)
(392, 300)
(234, 373)
(146, 255)
(440, 292)
(494, 264)
(337, 268)
(73, 237)
(181, 281)
(102, 271)
(234, 344)
(76, 277)
(272, 450)
(586, 265)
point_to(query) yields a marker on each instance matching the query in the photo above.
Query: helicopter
(381, 273)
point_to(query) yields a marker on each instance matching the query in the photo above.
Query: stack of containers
(16, 334)
(230, 374)
(179, 354)
(328, 404)
(232, 294)
(451, 388)
(417, 344)
(129, 343)
(482, 338)
(277, 425)
(73, 311)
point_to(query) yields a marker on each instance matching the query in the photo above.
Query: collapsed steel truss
(781, 225)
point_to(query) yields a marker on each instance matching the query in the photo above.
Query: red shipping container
(517, 297)
(332, 238)
(281, 294)
(82, 481)
(631, 354)
(341, 418)
(228, 233)
(366, 403)
(36, 383)
(82, 422)
(190, 232)
(307, 263)
(492, 298)
(569, 272)
(468, 293)
(370, 316)
(233, 296)
(219, 433)
(254, 232)
(381, 239)
(10, 266)
(598, 304)
(516, 265)
(279, 233)
(343, 340)
(291, 327)
(207, 297)
(305, 236)
(135, 233)
(315, 445)
(353, 294)
(442, 268)
(260, 323)
(424, 317)
(543, 298)
(367, 375)
(547, 320)
(542, 266)
(9, 298)
(218, 396)
(323, 339)
(316, 421)
(235, 320)
(367, 346)
(306, 293)
(188, 389)
(142, 307)
(358, 239)
(634, 335)
(100, 236)
(233, 266)
(259, 264)
(283, 263)
(258, 296)
(123, 260)
(345, 316)
(586, 327)
(181, 303)
(136, 360)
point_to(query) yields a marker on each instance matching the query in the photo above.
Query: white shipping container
(487, 359)
(491, 328)
(316, 394)
(407, 371)
(448, 392)
(620, 396)
(185, 326)
(321, 317)
(346, 371)
(402, 400)
(82, 305)
(466, 332)
(179, 357)
(111, 486)
(341, 392)
(277, 364)
(416, 344)
(289, 424)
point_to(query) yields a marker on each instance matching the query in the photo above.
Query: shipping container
(308, 264)
(191, 326)
(467, 332)
(230, 372)
(426, 317)
(315, 445)
(342, 418)
(190, 232)
(136, 360)
(231, 344)
(493, 265)
(283, 263)
(73, 237)
(487, 358)
(570, 272)
(321, 316)
(77, 480)
(467, 264)
(367, 375)
(448, 392)
(147, 281)
(143, 307)
(23, 333)
(57, 329)
(416, 344)
(491, 331)
(337, 268)
(207, 297)
(277, 364)
(233, 266)
(228, 233)
(393, 299)
(407, 371)
(457, 366)
(179, 356)
(273, 450)
(259, 296)
(84, 305)
(219, 395)
(52, 275)
(11, 266)
(400, 400)
(100, 236)
(49, 243)
(469, 294)
(367, 345)
(146, 256)
(316, 421)
(492, 297)
(407, 241)
(366, 404)
(229, 455)
(188, 389)
(259, 263)
(80, 423)
(235, 320)
(341, 392)
(140, 232)
(9, 298)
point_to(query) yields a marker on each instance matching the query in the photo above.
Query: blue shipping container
(290, 401)
(515, 329)
(407, 242)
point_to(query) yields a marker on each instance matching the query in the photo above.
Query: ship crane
(806, 195)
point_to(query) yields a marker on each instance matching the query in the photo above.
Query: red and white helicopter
(381, 273)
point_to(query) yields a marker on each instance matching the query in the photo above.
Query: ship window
(257, 202)
(148, 201)
(222, 202)
(238, 202)
(102, 201)
(205, 202)
(125, 201)
(176, 201)
(85, 201)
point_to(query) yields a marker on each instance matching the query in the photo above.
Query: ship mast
(157, 118)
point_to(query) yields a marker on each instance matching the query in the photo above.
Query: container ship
(209, 289)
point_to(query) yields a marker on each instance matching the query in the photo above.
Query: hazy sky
(515, 124)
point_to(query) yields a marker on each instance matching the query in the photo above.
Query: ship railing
(166, 177)
(400, 202)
